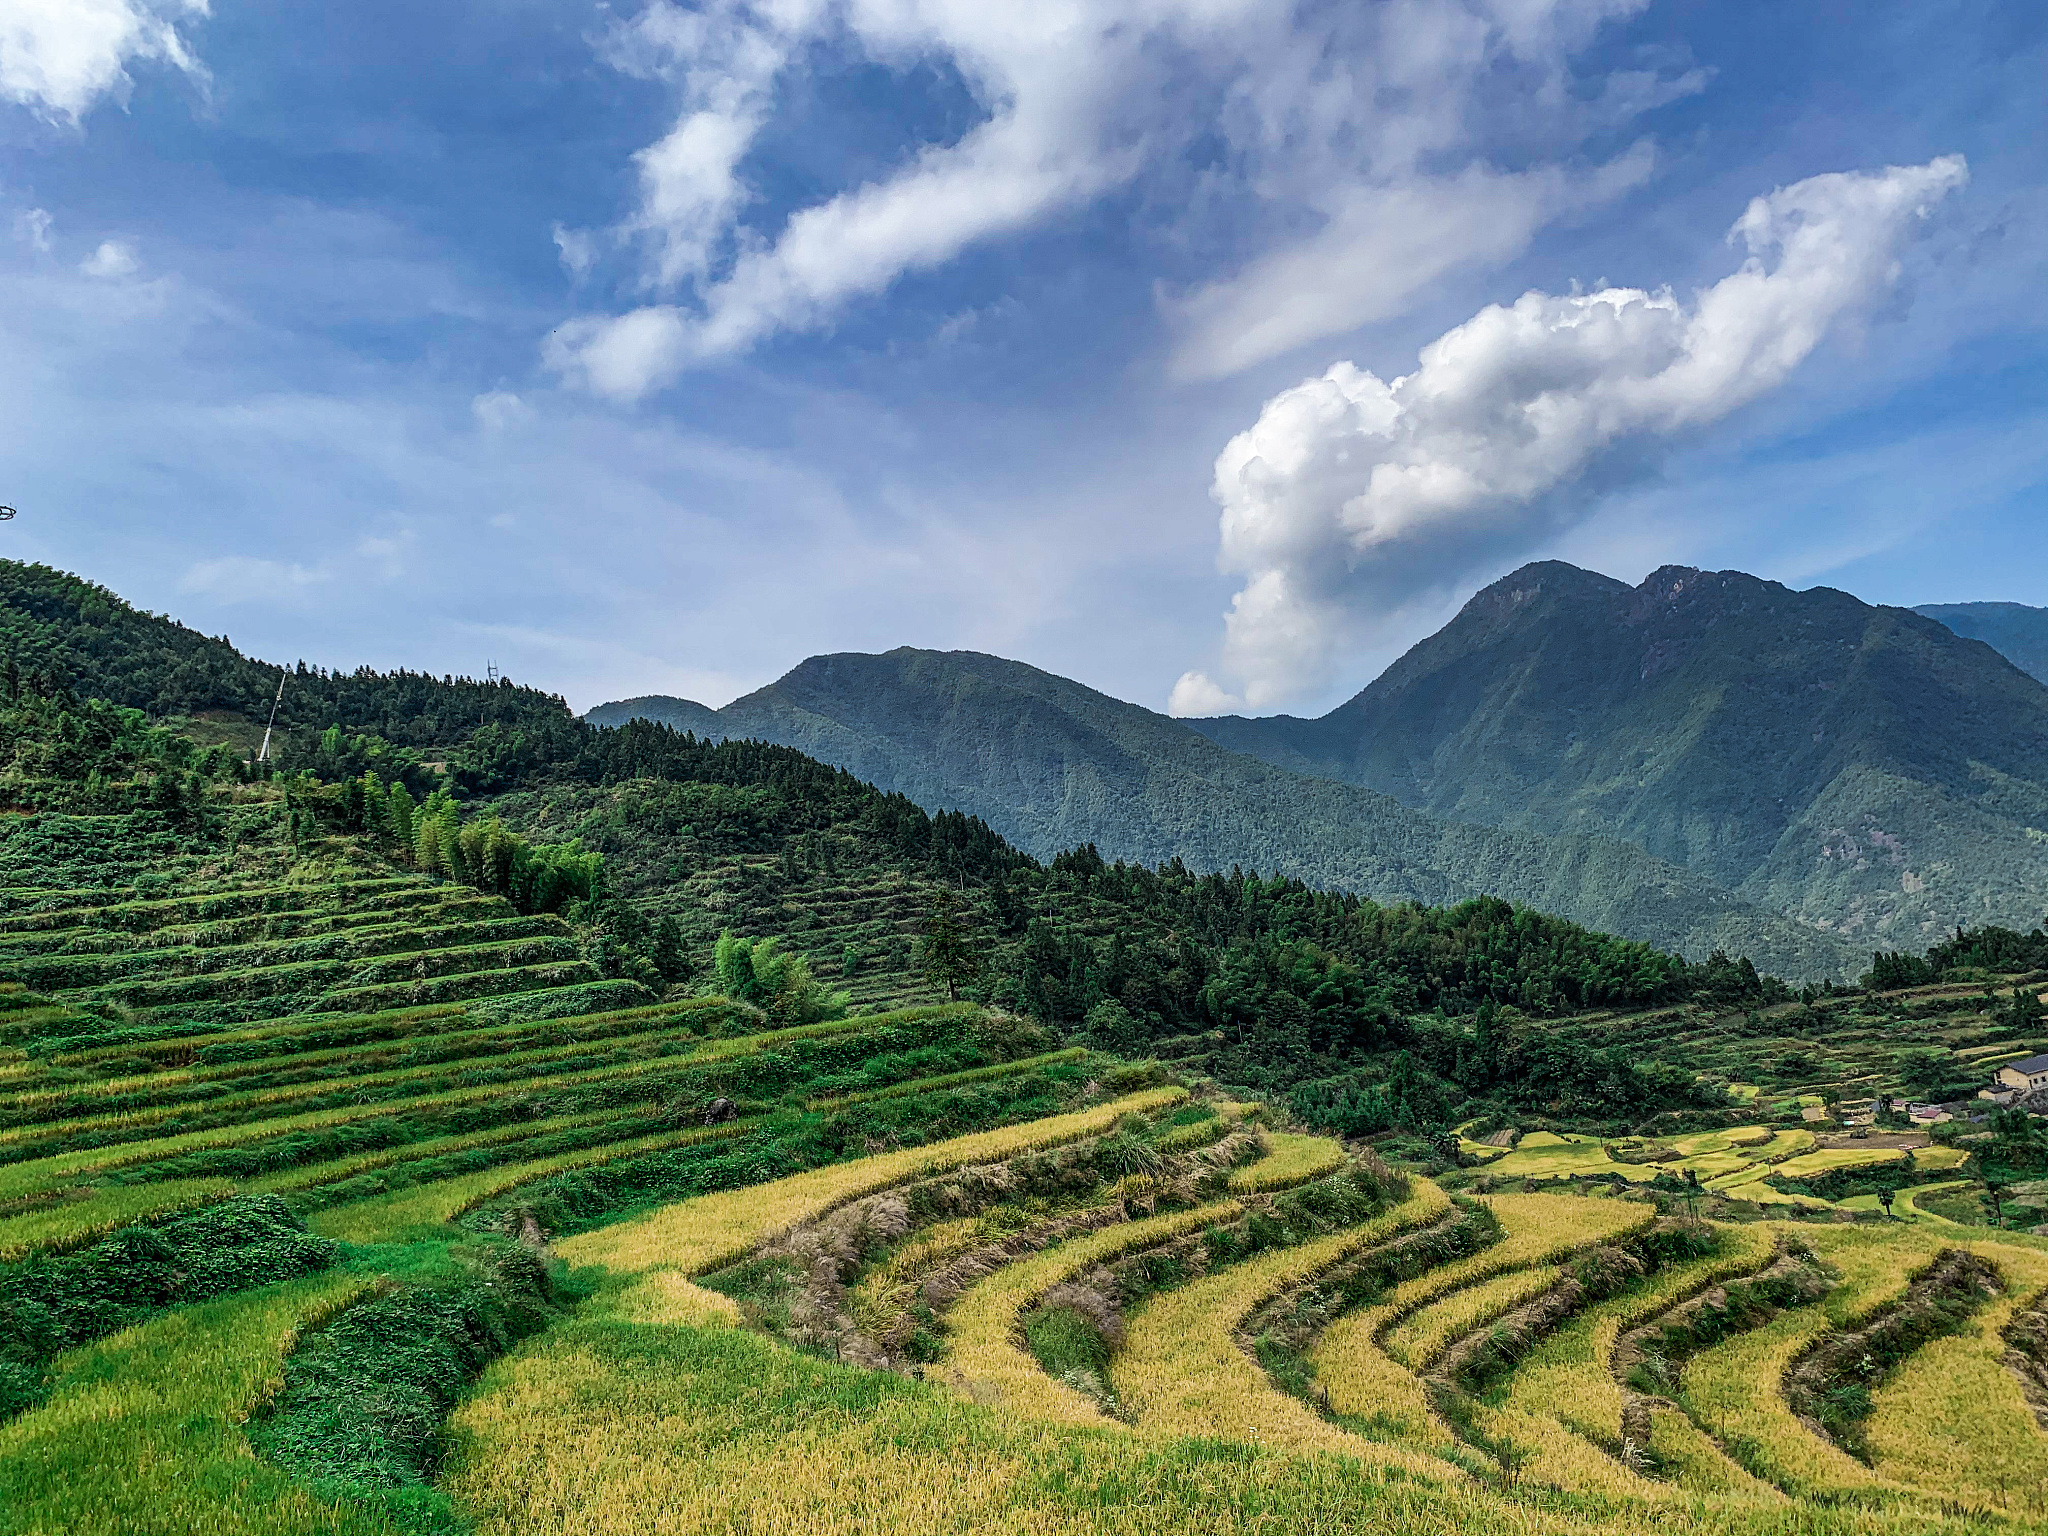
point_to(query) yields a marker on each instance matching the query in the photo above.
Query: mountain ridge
(2015, 631)
(1050, 763)
(1864, 772)
(1859, 766)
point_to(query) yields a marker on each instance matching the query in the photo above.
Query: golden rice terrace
(337, 1197)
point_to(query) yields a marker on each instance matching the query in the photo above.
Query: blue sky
(653, 348)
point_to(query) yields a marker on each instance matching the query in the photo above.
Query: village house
(2024, 1076)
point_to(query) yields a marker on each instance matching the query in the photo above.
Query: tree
(665, 949)
(949, 957)
(761, 972)
(399, 824)
(2024, 1010)
(1111, 1026)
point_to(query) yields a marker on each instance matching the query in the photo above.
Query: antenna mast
(265, 751)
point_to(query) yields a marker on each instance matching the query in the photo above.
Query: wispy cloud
(1368, 126)
(1352, 495)
(248, 579)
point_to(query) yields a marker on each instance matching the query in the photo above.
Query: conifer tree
(949, 957)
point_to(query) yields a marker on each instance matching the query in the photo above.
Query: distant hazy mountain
(1865, 769)
(2015, 631)
(1051, 764)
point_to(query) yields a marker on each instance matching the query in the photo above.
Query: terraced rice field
(925, 1269)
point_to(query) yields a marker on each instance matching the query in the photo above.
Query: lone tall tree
(949, 957)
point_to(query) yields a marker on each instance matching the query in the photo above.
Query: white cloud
(247, 579)
(59, 57)
(34, 227)
(1351, 495)
(499, 409)
(1380, 246)
(1364, 123)
(391, 554)
(577, 249)
(114, 258)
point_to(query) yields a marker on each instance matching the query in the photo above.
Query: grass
(387, 1218)
(1729, 1389)
(1183, 1372)
(142, 1436)
(950, 1079)
(1830, 1158)
(12, 1179)
(65, 1224)
(700, 1235)
(1425, 1333)
(442, 1053)
(1562, 1407)
(1368, 1385)
(1953, 1420)
(986, 1362)
(611, 1427)
(1289, 1159)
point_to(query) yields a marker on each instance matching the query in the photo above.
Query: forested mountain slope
(1051, 764)
(657, 843)
(2015, 631)
(1864, 769)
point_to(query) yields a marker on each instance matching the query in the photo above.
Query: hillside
(370, 1169)
(1863, 769)
(661, 843)
(1051, 764)
(2015, 631)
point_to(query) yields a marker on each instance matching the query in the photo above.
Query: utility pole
(265, 750)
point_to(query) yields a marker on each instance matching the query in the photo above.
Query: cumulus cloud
(1365, 125)
(60, 57)
(1351, 495)
(114, 258)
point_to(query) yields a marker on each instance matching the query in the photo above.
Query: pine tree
(949, 957)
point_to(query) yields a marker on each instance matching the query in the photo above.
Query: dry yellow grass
(703, 1234)
(1365, 1382)
(1421, 1336)
(618, 1422)
(1563, 1403)
(1290, 1159)
(605, 1429)
(1953, 1420)
(985, 1362)
(1732, 1390)
(1183, 1374)
(1830, 1158)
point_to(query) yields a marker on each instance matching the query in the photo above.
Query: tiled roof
(2031, 1065)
